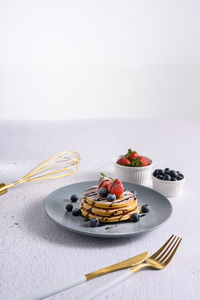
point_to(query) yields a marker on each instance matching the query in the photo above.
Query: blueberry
(135, 217)
(145, 208)
(155, 172)
(173, 173)
(167, 170)
(167, 177)
(74, 198)
(176, 175)
(111, 197)
(173, 178)
(161, 172)
(94, 222)
(69, 207)
(180, 175)
(76, 212)
(159, 176)
(103, 192)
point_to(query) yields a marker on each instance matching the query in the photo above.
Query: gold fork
(159, 260)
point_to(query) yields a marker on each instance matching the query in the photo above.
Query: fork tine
(162, 248)
(165, 250)
(171, 252)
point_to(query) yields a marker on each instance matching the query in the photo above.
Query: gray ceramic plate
(160, 210)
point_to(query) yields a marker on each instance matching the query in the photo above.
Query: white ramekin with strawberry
(133, 168)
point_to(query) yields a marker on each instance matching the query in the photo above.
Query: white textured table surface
(36, 253)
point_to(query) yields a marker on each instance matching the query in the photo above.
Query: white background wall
(108, 58)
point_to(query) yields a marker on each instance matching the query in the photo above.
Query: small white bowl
(138, 175)
(168, 188)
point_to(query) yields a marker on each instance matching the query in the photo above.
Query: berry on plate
(124, 161)
(104, 182)
(145, 208)
(103, 192)
(74, 198)
(116, 187)
(135, 218)
(111, 197)
(69, 207)
(76, 212)
(94, 222)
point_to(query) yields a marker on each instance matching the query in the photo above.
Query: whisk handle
(3, 188)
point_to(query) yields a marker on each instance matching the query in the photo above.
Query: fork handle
(54, 290)
(114, 281)
(105, 286)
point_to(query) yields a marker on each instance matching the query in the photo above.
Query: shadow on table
(38, 224)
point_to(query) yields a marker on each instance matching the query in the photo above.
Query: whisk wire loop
(62, 164)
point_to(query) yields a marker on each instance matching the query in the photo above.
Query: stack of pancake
(95, 206)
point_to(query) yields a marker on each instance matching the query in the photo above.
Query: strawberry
(145, 161)
(131, 154)
(104, 182)
(123, 161)
(115, 187)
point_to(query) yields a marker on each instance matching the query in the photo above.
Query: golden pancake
(122, 217)
(108, 211)
(93, 198)
(95, 206)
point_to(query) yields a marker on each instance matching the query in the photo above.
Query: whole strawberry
(131, 154)
(123, 161)
(145, 161)
(140, 161)
(104, 182)
(116, 187)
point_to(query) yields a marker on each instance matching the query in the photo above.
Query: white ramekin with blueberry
(168, 182)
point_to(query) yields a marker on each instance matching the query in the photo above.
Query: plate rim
(108, 235)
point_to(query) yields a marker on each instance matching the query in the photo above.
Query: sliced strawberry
(115, 187)
(123, 161)
(104, 182)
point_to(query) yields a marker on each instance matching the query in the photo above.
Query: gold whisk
(62, 164)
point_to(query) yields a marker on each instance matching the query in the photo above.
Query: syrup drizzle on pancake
(120, 209)
(107, 218)
(107, 211)
(95, 193)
